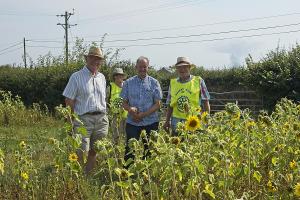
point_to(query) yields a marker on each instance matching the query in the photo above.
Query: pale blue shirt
(87, 90)
(142, 94)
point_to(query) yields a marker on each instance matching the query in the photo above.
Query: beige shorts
(96, 126)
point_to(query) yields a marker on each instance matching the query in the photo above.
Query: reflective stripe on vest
(184, 94)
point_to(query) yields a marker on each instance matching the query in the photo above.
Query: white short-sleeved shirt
(88, 91)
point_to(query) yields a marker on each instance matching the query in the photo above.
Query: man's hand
(139, 116)
(133, 111)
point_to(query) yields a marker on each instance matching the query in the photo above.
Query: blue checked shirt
(142, 95)
(87, 90)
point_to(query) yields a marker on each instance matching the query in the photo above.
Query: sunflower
(73, 157)
(271, 174)
(236, 116)
(204, 117)
(297, 190)
(250, 124)
(271, 187)
(22, 144)
(286, 126)
(198, 109)
(25, 176)
(192, 123)
(52, 140)
(289, 178)
(293, 164)
(175, 140)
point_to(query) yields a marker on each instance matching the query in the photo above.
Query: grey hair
(142, 58)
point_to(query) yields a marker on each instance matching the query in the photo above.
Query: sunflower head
(22, 144)
(297, 190)
(204, 117)
(198, 109)
(271, 187)
(250, 124)
(175, 140)
(271, 174)
(52, 140)
(73, 157)
(289, 178)
(286, 126)
(25, 176)
(293, 164)
(192, 123)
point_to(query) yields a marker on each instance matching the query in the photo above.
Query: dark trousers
(135, 132)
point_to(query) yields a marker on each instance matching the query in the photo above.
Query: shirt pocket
(149, 93)
(85, 89)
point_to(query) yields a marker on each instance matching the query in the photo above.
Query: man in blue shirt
(141, 98)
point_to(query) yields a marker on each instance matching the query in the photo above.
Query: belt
(94, 113)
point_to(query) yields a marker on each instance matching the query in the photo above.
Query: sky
(211, 33)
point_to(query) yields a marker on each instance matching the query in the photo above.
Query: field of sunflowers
(231, 154)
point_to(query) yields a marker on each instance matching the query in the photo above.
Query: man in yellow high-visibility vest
(185, 92)
(119, 115)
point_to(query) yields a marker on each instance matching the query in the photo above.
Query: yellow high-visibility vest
(184, 93)
(116, 100)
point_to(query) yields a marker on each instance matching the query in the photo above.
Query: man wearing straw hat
(184, 90)
(85, 93)
(119, 115)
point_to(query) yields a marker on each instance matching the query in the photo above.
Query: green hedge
(38, 85)
(273, 77)
(45, 84)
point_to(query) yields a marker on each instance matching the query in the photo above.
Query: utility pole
(24, 45)
(66, 26)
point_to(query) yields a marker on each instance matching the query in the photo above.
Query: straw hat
(183, 61)
(118, 71)
(95, 51)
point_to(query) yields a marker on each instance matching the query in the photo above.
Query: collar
(87, 71)
(142, 80)
(185, 81)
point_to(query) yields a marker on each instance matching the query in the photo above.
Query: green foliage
(220, 80)
(231, 156)
(276, 76)
(13, 111)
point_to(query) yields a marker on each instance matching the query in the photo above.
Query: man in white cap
(119, 115)
(85, 93)
(186, 90)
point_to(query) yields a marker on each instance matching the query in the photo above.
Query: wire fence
(218, 100)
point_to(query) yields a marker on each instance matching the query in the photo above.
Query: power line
(187, 27)
(181, 36)
(203, 34)
(208, 24)
(207, 40)
(144, 10)
(16, 44)
(25, 13)
(44, 41)
(11, 50)
(41, 46)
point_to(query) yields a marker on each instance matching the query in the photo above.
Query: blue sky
(36, 20)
